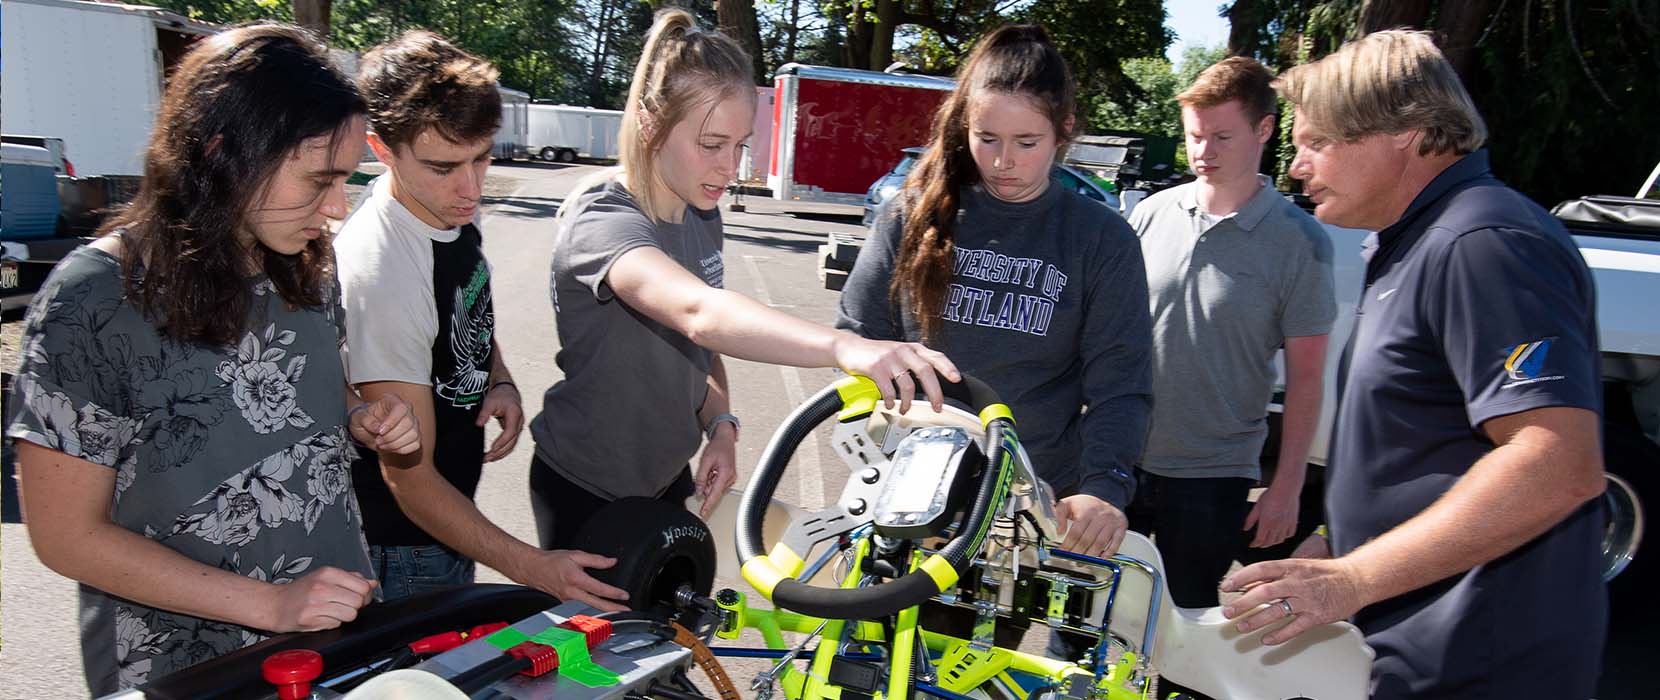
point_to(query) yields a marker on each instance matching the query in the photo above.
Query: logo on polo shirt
(1526, 363)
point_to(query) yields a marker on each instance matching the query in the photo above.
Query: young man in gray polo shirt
(1234, 272)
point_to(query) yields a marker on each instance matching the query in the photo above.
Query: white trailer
(90, 74)
(513, 137)
(564, 133)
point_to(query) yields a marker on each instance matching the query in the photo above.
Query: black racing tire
(659, 547)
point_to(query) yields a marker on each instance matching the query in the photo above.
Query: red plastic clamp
(595, 629)
(542, 658)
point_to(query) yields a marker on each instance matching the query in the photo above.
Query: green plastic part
(574, 661)
(507, 638)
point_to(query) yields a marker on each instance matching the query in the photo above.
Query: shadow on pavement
(782, 239)
(524, 207)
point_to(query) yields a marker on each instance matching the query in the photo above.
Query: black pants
(561, 506)
(1197, 525)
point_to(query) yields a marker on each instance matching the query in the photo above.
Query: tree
(737, 20)
(1552, 78)
(1156, 111)
(314, 15)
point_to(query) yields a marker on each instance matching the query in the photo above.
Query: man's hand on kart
(1093, 527)
(896, 368)
(323, 599)
(563, 574)
(1311, 591)
(717, 469)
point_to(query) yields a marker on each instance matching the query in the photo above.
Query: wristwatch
(709, 430)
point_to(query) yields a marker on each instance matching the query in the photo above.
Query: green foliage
(1570, 97)
(229, 11)
(1567, 89)
(1156, 111)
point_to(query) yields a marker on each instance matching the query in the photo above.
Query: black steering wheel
(852, 399)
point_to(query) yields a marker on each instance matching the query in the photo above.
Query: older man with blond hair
(1466, 461)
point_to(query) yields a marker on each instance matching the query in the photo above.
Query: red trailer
(836, 130)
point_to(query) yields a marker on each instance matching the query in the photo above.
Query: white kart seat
(1203, 650)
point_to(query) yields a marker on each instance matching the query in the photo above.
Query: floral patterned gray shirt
(236, 457)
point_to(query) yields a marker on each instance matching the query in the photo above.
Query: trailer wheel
(547, 154)
(567, 155)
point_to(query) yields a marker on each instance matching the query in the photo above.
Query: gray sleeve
(1310, 304)
(69, 395)
(866, 308)
(600, 233)
(1117, 350)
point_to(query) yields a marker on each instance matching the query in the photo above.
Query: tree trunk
(1378, 15)
(1458, 28)
(1244, 27)
(881, 44)
(792, 33)
(737, 20)
(314, 15)
(601, 54)
(860, 33)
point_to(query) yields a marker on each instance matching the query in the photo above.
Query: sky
(1195, 22)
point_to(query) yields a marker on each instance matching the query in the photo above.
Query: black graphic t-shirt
(461, 360)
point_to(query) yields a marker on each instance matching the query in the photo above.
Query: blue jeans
(407, 570)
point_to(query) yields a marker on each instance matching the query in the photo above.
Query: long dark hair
(1014, 59)
(236, 106)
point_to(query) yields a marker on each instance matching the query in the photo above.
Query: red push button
(292, 672)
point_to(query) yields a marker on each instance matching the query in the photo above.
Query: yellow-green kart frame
(962, 667)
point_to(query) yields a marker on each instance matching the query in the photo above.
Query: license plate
(8, 274)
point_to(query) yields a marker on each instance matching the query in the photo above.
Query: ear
(1067, 126)
(1407, 139)
(383, 152)
(1265, 129)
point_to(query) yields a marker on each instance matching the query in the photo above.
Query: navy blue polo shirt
(1477, 305)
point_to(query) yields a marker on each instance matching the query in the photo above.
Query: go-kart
(941, 512)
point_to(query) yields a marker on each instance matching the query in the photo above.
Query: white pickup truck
(1619, 237)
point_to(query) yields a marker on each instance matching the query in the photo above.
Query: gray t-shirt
(1224, 298)
(236, 457)
(1046, 305)
(623, 421)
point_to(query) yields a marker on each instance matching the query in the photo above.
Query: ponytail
(681, 67)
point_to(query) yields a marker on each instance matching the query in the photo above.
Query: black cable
(479, 678)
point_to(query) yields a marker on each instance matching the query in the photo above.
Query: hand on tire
(563, 574)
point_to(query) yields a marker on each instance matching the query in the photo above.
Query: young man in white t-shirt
(421, 325)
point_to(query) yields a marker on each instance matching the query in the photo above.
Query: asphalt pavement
(770, 256)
